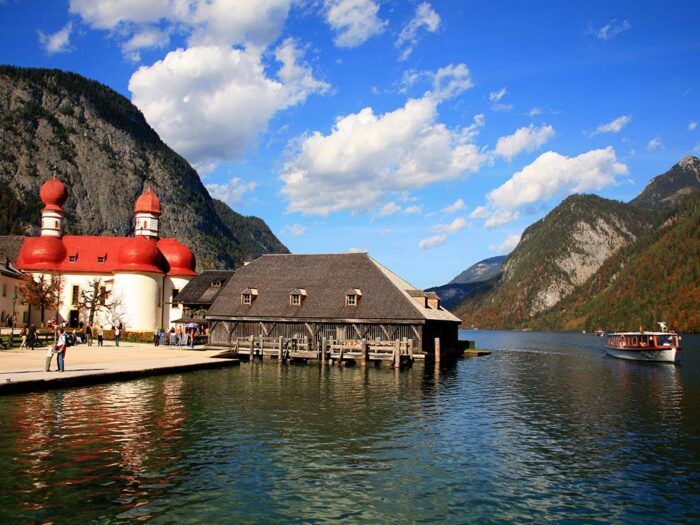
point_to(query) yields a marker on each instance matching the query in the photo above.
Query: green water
(545, 429)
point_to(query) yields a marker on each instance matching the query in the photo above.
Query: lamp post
(12, 328)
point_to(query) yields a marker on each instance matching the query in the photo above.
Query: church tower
(146, 215)
(54, 195)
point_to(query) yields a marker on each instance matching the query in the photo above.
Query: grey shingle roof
(200, 290)
(326, 279)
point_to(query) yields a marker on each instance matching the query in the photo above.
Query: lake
(547, 428)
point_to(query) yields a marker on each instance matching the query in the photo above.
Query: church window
(72, 258)
(102, 258)
(75, 295)
(55, 223)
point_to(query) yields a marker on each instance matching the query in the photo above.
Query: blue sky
(430, 134)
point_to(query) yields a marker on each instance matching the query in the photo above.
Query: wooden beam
(264, 328)
(386, 332)
(415, 331)
(357, 331)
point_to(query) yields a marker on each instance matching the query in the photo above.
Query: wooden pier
(345, 352)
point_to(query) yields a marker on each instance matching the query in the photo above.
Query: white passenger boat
(661, 347)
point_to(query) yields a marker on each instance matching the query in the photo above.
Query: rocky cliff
(102, 148)
(565, 264)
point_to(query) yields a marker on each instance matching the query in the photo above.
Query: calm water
(545, 429)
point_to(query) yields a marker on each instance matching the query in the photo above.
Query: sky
(427, 133)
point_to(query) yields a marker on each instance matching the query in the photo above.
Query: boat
(660, 347)
(599, 333)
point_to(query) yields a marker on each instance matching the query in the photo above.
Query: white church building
(138, 275)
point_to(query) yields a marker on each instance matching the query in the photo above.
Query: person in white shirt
(61, 349)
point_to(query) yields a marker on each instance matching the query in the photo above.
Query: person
(49, 356)
(61, 345)
(31, 337)
(192, 334)
(100, 335)
(156, 337)
(88, 335)
(117, 334)
(23, 335)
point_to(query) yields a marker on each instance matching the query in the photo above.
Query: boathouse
(336, 297)
(199, 294)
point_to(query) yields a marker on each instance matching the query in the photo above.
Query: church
(138, 276)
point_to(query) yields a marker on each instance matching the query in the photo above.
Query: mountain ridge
(99, 144)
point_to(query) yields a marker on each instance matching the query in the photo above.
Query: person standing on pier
(100, 335)
(117, 334)
(88, 335)
(61, 345)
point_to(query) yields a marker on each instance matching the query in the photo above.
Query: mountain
(481, 271)
(474, 279)
(665, 190)
(100, 145)
(596, 263)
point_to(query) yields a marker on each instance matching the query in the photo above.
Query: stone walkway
(23, 370)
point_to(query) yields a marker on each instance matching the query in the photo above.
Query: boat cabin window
(665, 340)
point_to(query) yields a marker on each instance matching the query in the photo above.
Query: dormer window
(352, 297)
(101, 258)
(72, 258)
(215, 284)
(248, 296)
(296, 296)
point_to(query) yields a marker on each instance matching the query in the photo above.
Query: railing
(338, 350)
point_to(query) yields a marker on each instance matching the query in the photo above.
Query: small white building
(138, 276)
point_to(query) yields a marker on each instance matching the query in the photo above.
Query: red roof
(92, 254)
(148, 202)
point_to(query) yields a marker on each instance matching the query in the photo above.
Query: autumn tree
(42, 292)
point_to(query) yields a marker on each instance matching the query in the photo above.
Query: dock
(346, 352)
(23, 370)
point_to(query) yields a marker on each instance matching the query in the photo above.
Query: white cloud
(425, 17)
(447, 82)
(148, 37)
(366, 156)
(455, 206)
(480, 212)
(208, 22)
(495, 96)
(508, 245)
(550, 175)
(495, 99)
(211, 103)
(611, 29)
(432, 242)
(295, 229)
(354, 21)
(232, 192)
(614, 126)
(58, 42)
(454, 226)
(534, 112)
(655, 143)
(412, 210)
(390, 208)
(692, 126)
(524, 139)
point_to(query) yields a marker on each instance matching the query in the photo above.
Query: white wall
(173, 312)
(140, 296)
(8, 286)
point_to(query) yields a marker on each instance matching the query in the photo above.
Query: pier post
(252, 347)
(363, 352)
(438, 351)
(323, 350)
(280, 349)
(397, 354)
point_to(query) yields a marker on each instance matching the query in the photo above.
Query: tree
(42, 292)
(92, 299)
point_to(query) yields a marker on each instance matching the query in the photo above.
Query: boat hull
(653, 356)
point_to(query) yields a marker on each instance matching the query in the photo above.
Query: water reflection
(546, 428)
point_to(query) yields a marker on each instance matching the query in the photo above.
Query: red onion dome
(53, 194)
(41, 253)
(179, 257)
(140, 254)
(147, 203)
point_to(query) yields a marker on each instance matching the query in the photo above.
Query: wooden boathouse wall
(227, 332)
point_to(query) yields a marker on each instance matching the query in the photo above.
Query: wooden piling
(280, 349)
(438, 351)
(363, 352)
(397, 354)
(323, 350)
